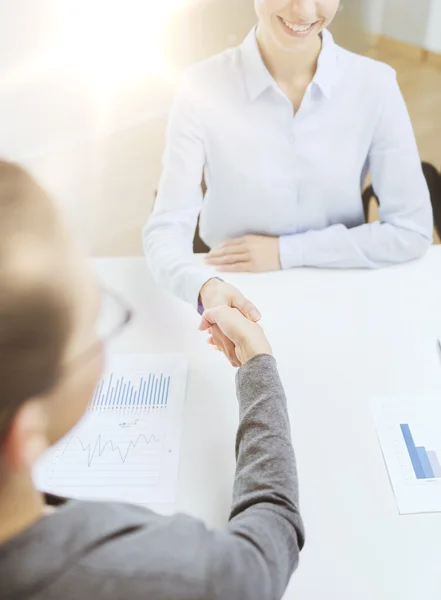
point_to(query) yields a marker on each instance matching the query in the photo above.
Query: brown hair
(34, 314)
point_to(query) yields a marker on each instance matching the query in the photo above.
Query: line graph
(99, 448)
(108, 455)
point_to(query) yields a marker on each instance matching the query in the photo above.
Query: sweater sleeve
(256, 555)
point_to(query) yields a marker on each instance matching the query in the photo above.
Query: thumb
(246, 307)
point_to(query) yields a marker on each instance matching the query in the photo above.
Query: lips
(297, 28)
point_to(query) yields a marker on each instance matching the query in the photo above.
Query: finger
(219, 343)
(205, 323)
(211, 342)
(227, 259)
(246, 307)
(228, 348)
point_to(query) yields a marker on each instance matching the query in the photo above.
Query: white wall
(417, 23)
(373, 15)
(433, 36)
(406, 20)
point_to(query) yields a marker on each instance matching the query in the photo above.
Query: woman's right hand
(215, 293)
(248, 337)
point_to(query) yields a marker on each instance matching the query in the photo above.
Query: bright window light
(115, 41)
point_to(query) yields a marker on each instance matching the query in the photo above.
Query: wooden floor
(420, 81)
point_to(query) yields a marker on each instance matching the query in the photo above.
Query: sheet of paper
(127, 445)
(409, 431)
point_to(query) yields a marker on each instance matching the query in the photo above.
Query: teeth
(298, 28)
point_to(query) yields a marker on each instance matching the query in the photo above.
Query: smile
(297, 28)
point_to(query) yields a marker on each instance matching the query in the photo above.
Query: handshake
(230, 320)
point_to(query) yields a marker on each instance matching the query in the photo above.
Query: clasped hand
(231, 321)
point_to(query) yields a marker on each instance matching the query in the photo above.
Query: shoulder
(363, 81)
(365, 70)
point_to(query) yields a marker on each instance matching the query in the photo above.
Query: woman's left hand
(252, 253)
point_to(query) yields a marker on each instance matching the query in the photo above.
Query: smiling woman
(285, 129)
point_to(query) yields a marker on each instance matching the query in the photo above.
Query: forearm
(265, 532)
(168, 248)
(369, 246)
(266, 469)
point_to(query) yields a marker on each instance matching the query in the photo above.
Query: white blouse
(296, 176)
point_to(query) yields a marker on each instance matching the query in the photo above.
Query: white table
(340, 338)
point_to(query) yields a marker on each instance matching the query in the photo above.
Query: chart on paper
(147, 391)
(126, 447)
(409, 431)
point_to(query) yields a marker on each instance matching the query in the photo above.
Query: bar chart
(425, 462)
(149, 391)
(409, 432)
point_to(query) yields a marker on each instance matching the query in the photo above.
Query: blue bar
(120, 395)
(94, 396)
(436, 467)
(163, 391)
(123, 395)
(168, 389)
(148, 388)
(144, 393)
(118, 383)
(152, 402)
(144, 388)
(158, 387)
(158, 398)
(126, 398)
(99, 393)
(131, 394)
(156, 391)
(151, 391)
(425, 463)
(108, 390)
(140, 393)
(413, 454)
